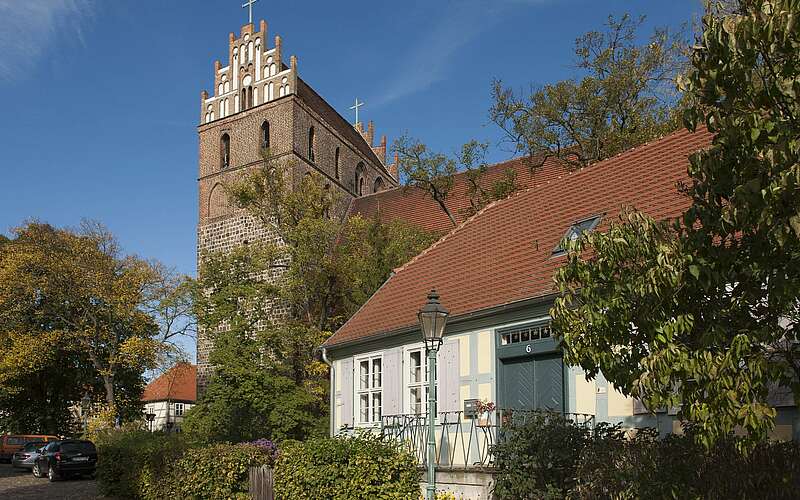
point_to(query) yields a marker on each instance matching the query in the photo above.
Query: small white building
(170, 396)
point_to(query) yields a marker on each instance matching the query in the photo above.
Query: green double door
(532, 382)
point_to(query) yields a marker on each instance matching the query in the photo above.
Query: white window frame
(409, 405)
(179, 409)
(372, 390)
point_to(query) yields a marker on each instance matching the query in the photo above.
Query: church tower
(259, 101)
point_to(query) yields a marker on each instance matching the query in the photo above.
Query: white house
(168, 397)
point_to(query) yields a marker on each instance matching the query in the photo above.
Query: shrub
(538, 457)
(349, 468)
(145, 465)
(550, 457)
(128, 461)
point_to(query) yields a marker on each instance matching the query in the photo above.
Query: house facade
(167, 398)
(494, 273)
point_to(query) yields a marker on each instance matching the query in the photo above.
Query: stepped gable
(415, 206)
(504, 254)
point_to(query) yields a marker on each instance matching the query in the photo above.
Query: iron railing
(463, 441)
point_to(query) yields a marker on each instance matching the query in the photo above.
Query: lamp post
(150, 417)
(432, 319)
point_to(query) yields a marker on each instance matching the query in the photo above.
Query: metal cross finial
(358, 105)
(249, 5)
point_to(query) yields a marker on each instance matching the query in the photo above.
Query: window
(247, 98)
(359, 180)
(311, 144)
(369, 394)
(576, 230)
(525, 333)
(265, 135)
(178, 409)
(378, 186)
(225, 151)
(336, 163)
(417, 392)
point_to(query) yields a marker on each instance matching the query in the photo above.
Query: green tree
(71, 310)
(702, 312)
(625, 98)
(269, 305)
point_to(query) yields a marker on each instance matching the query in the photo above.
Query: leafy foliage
(625, 98)
(702, 312)
(145, 465)
(73, 310)
(552, 457)
(270, 304)
(345, 468)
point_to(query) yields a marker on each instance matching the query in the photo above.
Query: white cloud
(428, 59)
(31, 27)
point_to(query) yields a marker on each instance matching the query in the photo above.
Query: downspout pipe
(331, 397)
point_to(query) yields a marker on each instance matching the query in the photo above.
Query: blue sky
(102, 97)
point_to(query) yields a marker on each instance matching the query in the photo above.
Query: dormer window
(576, 230)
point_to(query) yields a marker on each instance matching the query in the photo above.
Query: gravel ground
(18, 484)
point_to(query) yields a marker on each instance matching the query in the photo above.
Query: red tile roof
(504, 253)
(179, 383)
(417, 207)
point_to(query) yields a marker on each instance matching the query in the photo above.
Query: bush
(144, 465)
(363, 467)
(548, 456)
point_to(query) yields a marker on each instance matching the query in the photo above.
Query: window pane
(376, 372)
(364, 407)
(545, 331)
(525, 335)
(416, 400)
(364, 374)
(416, 366)
(515, 337)
(376, 406)
(535, 332)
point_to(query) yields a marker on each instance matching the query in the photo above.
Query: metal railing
(463, 441)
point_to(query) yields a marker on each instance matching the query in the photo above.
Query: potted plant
(485, 408)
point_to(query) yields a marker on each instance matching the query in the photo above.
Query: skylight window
(576, 230)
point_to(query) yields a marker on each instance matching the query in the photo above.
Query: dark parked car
(61, 459)
(24, 458)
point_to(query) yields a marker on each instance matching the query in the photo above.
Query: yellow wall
(585, 395)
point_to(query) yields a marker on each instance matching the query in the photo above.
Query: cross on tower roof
(358, 105)
(249, 5)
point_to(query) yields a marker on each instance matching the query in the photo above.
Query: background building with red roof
(169, 397)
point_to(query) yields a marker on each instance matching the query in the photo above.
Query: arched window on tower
(265, 135)
(336, 163)
(378, 186)
(359, 180)
(225, 151)
(311, 144)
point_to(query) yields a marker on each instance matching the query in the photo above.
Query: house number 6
(528, 348)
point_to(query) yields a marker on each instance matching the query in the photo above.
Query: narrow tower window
(359, 184)
(265, 135)
(225, 151)
(311, 144)
(336, 163)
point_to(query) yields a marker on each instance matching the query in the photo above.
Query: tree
(702, 312)
(268, 305)
(71, 306)
(434, 173)
(625, 98)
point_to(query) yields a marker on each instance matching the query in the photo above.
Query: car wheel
(52, 475)
(36, 471)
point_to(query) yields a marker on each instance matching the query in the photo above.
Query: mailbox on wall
(471, 408)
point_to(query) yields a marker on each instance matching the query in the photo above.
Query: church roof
(504, 254)
(179, 383)
(414, 205)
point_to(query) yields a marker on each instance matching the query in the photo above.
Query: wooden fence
(262, 483)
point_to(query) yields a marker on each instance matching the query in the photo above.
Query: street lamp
(150, 417)
(86, 404)
(432, 319)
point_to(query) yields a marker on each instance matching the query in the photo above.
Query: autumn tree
(268, 305)
(624, 97)
(702, 312)
(72, 310)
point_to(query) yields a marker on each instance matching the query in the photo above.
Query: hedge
(348, 468)
(551, 457)
(153, 466)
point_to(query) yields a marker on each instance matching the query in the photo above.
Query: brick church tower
(259, 101)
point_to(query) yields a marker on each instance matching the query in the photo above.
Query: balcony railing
(463, 441)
